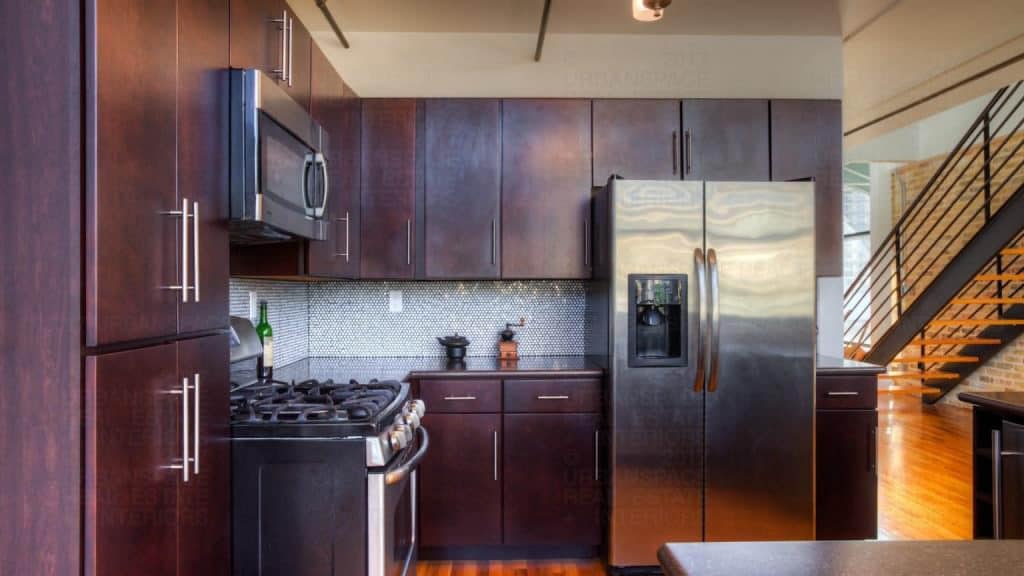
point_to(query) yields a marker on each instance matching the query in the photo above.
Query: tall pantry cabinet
(156, 461)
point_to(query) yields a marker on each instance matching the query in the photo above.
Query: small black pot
(454, 346)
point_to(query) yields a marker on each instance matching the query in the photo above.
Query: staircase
(944, 292)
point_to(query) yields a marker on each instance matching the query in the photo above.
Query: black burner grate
(312, 401)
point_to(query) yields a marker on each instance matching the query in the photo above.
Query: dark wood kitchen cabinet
(807, 143)
(336, 107)
(460, 482)
(139, 426)
(546, 189)
(157, 150)
(636, 139)
(462, 232)
(846, 457)
(726, 140)
(388, 188)
(552, 479)
(266, 35)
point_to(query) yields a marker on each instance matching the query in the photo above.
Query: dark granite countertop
(1006, 403)
(363, 369)
(832, 366)
(891, 558)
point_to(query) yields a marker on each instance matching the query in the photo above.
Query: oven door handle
(402, 472)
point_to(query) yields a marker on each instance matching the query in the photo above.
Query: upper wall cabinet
(546, 183)
(266, 35)
(462, 193)
(636, 139)
(336, 108)
(807, 143)
(388, 213)
(726, 140)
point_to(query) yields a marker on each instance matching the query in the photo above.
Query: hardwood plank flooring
(924, 470)
(512, 568)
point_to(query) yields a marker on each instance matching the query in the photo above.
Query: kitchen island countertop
(1008, 403)
(833, 366)
(892, 558)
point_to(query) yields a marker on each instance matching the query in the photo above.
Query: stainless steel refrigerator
(704, 299)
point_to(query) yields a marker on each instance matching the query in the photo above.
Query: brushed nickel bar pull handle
(282, 72)
(184, 249)
(195, 250)
(184, 463)
(702, 324)
(552, 397)
(842, 393)
(344, 254)
(597, 456)
(675, 152)
(408, 242)
(460, 397)
(184, 429)
(586, 242)
(686, 150)
(495, 455)
(195, 425)
(494, 241)
(997, 485)
(291, 48)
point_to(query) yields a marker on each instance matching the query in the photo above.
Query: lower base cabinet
(551, 488)
(511, 474)
(144, 513)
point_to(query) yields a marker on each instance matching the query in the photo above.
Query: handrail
(945, 212)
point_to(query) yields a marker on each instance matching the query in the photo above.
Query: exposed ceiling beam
(543, 30)
(322, 5)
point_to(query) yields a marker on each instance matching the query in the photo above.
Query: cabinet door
(636, 139)
(460, 482)
(847, 482)
(204, 502)
(807, 142)
(335, 107)
(299, 54)
(258, 35)
(133, 404)
(463, 188)
(388, 208)
(131, 252)
(202, 157)
(551, 492)
(726, 140)
(545, 191)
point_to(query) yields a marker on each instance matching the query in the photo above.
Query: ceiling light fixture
(649, 10)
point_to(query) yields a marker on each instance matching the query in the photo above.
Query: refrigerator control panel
(657, 320)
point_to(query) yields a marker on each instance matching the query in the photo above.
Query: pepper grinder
(508, 348)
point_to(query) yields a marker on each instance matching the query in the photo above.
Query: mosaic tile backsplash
(288, 309)
(353, 318)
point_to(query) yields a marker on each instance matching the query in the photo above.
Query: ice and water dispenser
(657, 320)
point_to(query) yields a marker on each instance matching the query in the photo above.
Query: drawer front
(461, 396)
(847, 392)
(562, 395)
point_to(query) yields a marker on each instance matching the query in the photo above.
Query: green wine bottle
(265, 362)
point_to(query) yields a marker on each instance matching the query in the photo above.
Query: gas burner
(312, 401)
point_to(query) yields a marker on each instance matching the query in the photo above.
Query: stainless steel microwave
(278, 169)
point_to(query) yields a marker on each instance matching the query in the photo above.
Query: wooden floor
(924, 470)
(924, 482)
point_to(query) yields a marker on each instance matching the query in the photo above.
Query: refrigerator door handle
(713, 336)
(702, 306)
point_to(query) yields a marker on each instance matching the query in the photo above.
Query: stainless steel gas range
(324, 477)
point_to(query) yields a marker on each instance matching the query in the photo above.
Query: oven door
(292, 181)
(391, 513)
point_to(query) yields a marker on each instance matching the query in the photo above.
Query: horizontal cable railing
(969, 186)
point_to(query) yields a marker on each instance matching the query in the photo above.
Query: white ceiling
(703, 17)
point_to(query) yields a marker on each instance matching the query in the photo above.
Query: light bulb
(644, 14)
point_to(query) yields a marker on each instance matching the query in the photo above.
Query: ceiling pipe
(322, 5)
(543, 30)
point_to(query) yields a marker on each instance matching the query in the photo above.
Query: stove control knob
(397, 439)
(406, 432)
(411, 418)
(416, 406)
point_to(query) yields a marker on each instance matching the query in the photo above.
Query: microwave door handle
(304, 182)
(322, 161)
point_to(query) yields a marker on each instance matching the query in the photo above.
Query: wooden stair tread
(987, 301)
(929, 359)
(1012, 251)
(929, 375)
(955, 342)
(978, 322)
(999, 277)
(904, 389)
